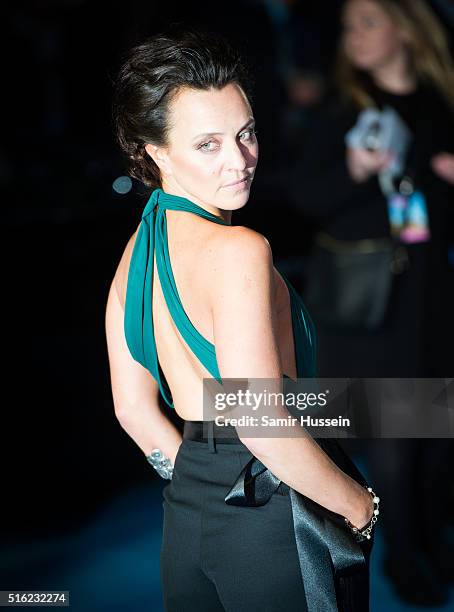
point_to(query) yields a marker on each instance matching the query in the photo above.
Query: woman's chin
(234, 199)
(237, 200)
(365, 63)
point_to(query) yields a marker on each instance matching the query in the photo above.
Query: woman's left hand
(443, 165)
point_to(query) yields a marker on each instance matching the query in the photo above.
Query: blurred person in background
(388, 314)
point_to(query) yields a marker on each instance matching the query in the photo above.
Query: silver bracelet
(160, 463)
(367, 529)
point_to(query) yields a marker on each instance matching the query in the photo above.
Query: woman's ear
(160, 158)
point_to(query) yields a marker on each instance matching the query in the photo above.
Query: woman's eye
(208, 146)
(248, 134)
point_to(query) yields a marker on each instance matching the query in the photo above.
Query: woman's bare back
(192, 246)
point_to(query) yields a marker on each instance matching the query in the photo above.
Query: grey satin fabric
(332, 562)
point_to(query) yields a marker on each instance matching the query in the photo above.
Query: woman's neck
(172, 189)
(396, 76)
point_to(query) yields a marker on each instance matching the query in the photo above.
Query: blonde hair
(427, 45)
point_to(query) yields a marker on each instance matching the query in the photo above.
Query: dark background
(66, 228)
(64, 455)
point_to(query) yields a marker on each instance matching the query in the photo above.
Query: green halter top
(138, 317)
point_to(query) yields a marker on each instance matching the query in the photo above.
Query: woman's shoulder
(237, 258)
(241, 244)
(227, 252)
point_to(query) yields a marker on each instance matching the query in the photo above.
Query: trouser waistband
(209, 432)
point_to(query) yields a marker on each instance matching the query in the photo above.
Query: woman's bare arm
(242, 298)
(135, 391)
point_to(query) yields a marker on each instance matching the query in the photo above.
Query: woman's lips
(240, 182)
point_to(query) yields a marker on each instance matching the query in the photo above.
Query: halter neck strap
(152, 242)
(161, 201)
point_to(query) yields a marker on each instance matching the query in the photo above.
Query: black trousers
(216, 557)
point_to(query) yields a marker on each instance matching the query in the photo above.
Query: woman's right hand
(362, 163)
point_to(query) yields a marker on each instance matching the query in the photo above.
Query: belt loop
(211, 442)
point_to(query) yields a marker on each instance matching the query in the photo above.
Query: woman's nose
(237, 157)
(356, 35)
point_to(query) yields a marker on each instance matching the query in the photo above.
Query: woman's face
(212, 149)
(370, 38)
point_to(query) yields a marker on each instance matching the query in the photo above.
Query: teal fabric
(138, 317)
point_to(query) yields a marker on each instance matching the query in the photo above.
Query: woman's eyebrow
(205, 134)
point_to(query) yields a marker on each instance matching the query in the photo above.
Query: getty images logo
(254, 400)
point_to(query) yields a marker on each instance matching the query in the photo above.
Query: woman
(232, 538)
(391, 54)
